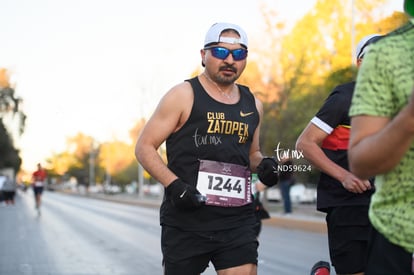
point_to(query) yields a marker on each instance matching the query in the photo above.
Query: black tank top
(213, 131)
(334, 112)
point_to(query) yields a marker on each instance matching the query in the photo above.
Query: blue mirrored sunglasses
(222, 53)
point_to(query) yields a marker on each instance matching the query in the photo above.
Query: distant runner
(38, 180)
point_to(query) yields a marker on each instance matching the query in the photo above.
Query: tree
(9, 108)
(75, 161)
(116, 156)
(61, 162)
(306, 62)
(9, 103)
(9, 156)
(136, 130)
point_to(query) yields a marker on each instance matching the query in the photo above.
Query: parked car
(299, 193)
(155, 190)
(273, 194)
(112, 189)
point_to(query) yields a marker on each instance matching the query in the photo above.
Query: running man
(38, 180)
(211, 127)
(341, 195)
(382, 144)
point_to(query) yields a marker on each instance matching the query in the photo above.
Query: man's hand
(184, 196)
(355, 185)
(267, 172)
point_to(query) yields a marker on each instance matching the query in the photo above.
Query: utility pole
(92, 168)
(140, 180)
(92, 159)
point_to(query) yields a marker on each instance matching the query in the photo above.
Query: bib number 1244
(218, 183)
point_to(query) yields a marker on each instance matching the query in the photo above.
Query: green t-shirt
(384, 84)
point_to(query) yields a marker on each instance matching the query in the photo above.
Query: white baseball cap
(214, 34)
(362, 47)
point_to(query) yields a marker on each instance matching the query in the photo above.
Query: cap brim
(409, 7)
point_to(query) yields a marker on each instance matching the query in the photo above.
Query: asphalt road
(77, 235)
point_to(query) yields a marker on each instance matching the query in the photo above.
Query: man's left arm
(255, 155)
(266, 167)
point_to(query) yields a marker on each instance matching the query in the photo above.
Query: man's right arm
(377, 144)
(166, 119)
(309, 143)
(172, 112)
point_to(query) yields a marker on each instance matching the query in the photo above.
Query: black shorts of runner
(348, 233)
(38, 190)
(386, 258)
(9, 195)
(187, 252)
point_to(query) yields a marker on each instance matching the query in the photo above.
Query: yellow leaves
(147, 175)
(4, 78)
(136, 130)
(115, 156)
(395, 20)
(321, 42)
(60, 163)
(80, 145)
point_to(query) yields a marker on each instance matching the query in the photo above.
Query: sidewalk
(303, 217)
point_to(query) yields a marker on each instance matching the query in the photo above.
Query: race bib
(38, 183)
(224, 184)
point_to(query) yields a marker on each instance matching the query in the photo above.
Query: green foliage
(308, 62)
(284, 128)
(9, 107)
(124, 177)
(340, 76)
(9, 156)
(9, 104)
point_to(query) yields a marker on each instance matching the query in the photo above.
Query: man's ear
(203, 57)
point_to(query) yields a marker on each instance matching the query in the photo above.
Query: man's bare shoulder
(182, 88)
(176, 104)
(259, 105)
(180, 93)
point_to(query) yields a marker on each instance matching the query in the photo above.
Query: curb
(306, 224)
(301, 221)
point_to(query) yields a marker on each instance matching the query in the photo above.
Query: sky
(98, 66)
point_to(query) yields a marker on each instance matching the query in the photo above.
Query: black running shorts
(348, 234)
(187, 252)
(38, 190)
(9, 195)
(386, 258)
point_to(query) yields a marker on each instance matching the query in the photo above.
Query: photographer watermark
(282, 154)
